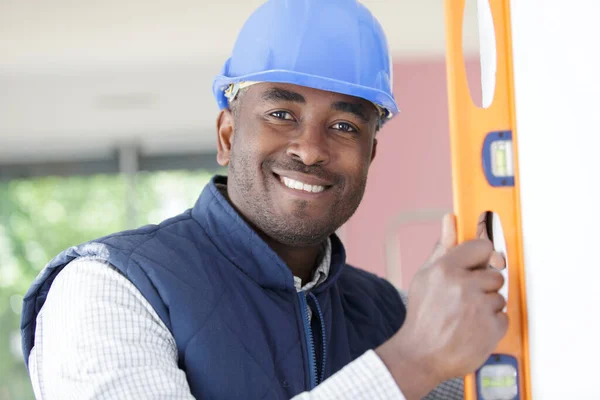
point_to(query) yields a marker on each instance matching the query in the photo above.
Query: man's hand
(449, 238)
(455, 315)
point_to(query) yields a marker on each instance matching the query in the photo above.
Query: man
(247, 295)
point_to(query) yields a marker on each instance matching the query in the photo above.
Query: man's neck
(302, 261)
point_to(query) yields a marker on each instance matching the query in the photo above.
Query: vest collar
(241, 245)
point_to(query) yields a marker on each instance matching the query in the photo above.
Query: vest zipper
(312, 363)
(323, 338)
(310, 344)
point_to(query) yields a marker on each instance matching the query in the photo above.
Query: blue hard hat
(333, 45)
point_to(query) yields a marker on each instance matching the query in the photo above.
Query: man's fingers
(449, 238)
(497, 260)
(470, 254)
(489, 280)
(495, 301)
(482, 226)
(502, 320)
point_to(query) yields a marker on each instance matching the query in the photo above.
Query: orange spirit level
(485, 178)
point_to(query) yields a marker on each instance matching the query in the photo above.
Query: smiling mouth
(300, 186)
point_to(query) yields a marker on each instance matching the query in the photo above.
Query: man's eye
(282, 115)
(343, 126)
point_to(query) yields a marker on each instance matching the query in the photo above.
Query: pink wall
(411, 171)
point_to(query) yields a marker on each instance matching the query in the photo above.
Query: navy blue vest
(241, 328)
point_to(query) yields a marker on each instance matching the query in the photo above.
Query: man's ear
(225, 128)
(374, 150)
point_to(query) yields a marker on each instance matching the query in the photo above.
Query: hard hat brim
(381, 98)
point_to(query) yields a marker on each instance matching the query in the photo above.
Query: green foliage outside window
(41, 217)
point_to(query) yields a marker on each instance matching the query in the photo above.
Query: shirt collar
(321, 273)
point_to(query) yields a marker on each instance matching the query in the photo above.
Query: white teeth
(293, 184)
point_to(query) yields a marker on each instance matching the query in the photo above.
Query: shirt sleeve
(366, 378)
(97, 337)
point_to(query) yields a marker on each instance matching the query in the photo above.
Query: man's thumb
(448, 237)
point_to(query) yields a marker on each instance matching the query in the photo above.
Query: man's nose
(310, 147)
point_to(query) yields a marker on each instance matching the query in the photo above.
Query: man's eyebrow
(353, 108)
(278, 94)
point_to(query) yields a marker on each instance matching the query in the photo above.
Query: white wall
(557, 86)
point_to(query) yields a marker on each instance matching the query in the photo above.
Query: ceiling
(79, 77)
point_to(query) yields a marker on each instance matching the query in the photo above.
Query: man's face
(298, 159)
